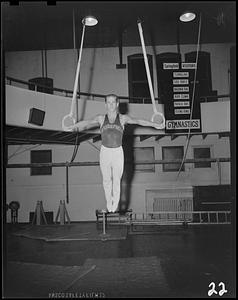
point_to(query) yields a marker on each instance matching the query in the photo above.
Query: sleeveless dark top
(112, 133)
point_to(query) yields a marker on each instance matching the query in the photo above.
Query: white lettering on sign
(181, 89)
(181, 103)
(167, 66)
(189, 65)
(180, 111)
(183, 124)
(180, 74)
(180, 81)
(181, 96)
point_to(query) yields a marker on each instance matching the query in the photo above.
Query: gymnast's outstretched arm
(86, 124)
(129, 120)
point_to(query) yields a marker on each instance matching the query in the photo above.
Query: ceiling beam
(144, 137)
(223, 134)
(173, 137)
(158, 137)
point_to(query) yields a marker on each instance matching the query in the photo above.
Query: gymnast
(111, 153)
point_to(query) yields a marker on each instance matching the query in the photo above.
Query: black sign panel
(182, 113)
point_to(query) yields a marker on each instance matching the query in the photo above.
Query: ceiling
(36, 25)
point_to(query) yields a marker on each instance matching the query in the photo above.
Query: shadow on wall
(129, 168)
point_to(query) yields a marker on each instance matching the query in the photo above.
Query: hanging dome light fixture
(187, 16)
(89, 21)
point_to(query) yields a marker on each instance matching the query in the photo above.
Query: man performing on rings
(111, 153)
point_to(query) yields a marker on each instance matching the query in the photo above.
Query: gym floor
(163, 261)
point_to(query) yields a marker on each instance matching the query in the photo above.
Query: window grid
(144, 154)
(137, 78)
(202, 152)
(172, 152)
(41, 156)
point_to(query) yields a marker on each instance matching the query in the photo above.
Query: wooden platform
(116, 218)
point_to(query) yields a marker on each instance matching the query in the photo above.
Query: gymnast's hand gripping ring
(68, 122)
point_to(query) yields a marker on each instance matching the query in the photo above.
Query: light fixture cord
(193, 96)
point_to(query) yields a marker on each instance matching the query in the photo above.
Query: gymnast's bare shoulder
(125, 119)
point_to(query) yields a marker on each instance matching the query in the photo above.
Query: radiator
(172, 205)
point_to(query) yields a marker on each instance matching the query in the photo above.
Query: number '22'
(213, 291)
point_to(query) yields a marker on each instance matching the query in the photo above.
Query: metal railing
(69, 93)
(175, 217)
(93, 96)
(96, 163)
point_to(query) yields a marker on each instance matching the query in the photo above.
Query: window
(144, 154)
(173, 152)
(204, 152)
(41, 156)
(138, 83)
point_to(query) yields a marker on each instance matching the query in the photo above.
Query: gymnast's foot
(109, 209)
(114, 209)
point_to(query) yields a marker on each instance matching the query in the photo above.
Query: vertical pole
(66, 213)
(67, 184)
(42, 212)
(57, 215)
(178, 37)
(104, 222)
(120, 32)
(42, 63)
(208, 217)
(219, 171)
(61, 213)
(45, 53)
(78, 91)
(78, 80)
(74, 40)
(38, 213)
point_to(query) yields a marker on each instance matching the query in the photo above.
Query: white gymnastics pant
(112, 165)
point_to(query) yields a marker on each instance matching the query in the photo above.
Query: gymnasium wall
(98, 67)
(85, 183)
(99, 75)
